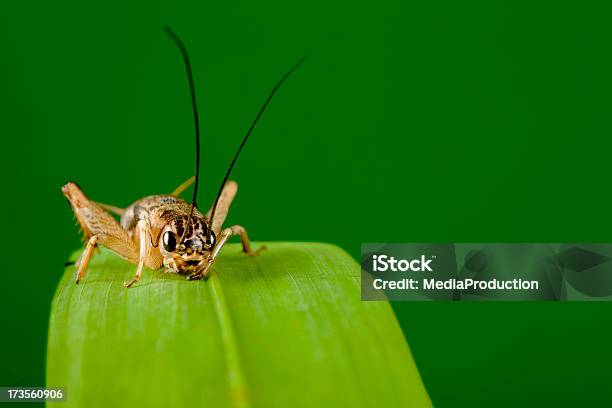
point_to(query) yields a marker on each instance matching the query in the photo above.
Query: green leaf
(286, 329)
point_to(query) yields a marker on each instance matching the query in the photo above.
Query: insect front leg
(141, 230)
(226, 234)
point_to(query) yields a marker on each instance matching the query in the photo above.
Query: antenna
(246, 137)
(179, 43)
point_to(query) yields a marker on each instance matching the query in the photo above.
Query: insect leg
(177, 191)
(85, 257)
(95, 222)
(225, 235)
(244, 237)
(141, 230)
(111, 208)
(223, 205)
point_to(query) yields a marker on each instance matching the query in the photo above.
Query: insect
(164, 230)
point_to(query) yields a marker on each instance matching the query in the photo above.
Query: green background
(431, 121)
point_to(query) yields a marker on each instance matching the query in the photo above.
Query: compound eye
(212, 239)
(169, 241)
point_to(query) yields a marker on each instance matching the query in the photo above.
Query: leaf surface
(286, 329)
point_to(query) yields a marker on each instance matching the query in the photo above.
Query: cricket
(165, 230)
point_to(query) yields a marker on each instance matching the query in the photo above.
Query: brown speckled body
(163, 229)
(156, 231)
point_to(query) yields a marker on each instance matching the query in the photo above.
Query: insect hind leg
(95, 222)
(85, 257)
